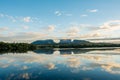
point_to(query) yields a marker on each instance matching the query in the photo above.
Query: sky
(29, 20)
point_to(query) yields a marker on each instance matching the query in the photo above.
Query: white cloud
(92, 35)
(20, 18)
(108, 29)
(29, 35)
(93, 10)
(111, 25)
(27, 19)
(73, 31)
(22, 36)
(58, 13)
(89, 27)
(51, 28)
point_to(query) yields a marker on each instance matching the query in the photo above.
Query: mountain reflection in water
(71, 64)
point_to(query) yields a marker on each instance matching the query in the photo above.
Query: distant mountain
(62, 41)
(65, 41)
(43, 42)
(80, 41)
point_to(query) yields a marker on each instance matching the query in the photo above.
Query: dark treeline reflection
(13, 51)
(49, 51)
(62, 51)
(70, 51)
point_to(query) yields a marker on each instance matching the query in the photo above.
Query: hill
(62, 41)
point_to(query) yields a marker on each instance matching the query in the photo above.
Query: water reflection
(61, 65)
(79, 51)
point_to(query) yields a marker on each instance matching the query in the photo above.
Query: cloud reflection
(74, 62)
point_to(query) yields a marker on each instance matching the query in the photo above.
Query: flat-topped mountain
(61, 41)
(43, 42)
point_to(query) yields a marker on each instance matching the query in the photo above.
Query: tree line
(16, 47)
(84, 45)
(24, 47)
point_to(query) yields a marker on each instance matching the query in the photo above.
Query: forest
(84, 45)
(16, 47)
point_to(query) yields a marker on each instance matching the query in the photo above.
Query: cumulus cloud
(91, 31)
(27, 19)
(22, 36)
(111, 25)
(29, 35)
(92, 35)
(107, 29)
(51, 28)
(73, 31)
(93, 10)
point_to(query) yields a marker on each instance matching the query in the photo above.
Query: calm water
(71, 64)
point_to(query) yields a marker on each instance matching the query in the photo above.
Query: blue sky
(42, 19)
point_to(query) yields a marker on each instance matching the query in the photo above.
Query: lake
(61, 64)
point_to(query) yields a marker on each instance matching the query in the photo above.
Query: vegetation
(16, 47)
(85, 45)
(24, 47)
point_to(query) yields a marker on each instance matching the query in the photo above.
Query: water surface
(63, 64)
